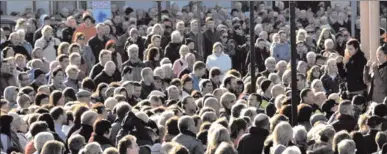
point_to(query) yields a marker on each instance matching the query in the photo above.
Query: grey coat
(192, 144)
(89, 57)
(378, 80)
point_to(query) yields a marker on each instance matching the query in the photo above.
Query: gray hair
(8, 93)
(347, 147)
(89, 117)
(41, 138)
(92, 148)
(292, 150)
(282, 133)
(299, 135)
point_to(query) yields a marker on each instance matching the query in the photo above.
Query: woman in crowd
(86, 51)
(152, 59)
(219, 59)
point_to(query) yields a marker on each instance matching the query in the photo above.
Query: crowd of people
(182, 85)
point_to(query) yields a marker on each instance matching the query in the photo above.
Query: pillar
(364, 27)
(369, 28)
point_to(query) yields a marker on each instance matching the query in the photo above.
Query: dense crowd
(134, 85)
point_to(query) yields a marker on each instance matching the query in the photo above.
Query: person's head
(186, 80)
(199, 68)
(63, 61)
(215, 74)
(189, 106)
(381, 139)
(254, 100)
(75, 59)
(317, 86)
(56, 98)
(186, 123)
(183, 51)
(102, 128)
(80, 38)
(329, 44)
(227, 100)
(352, 46)
(72, 72)
(230, 83)
(105, 56)
(18, 123)
(346, 108)
(282, 133)
(92, 148)
(206, 86)
(133, 52)
(270, 63)
(301, 81)
(283, 36)
(23, 101)
(89, 117)
(53, 147)
(307, 96)
(210, 22)
(153, 54)
(176, 37)
(88, 84)
(47, 32)
(217, 135)
(100, 28)
(110, 68)
(59, 115)
(41, 99)
(311, 58)
(299, 135)
(217, 49)
(238, 127)
(147, 74)
(381, 54)
(332, 66)
(302, 67)
(225, 148)
(128, 145)
(75, 143)
(57, 76)
(23, 79)
(41, 138)
(346, 146)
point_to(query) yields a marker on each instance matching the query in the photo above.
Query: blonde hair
(217, 136)
(46, 28)
(182, 47)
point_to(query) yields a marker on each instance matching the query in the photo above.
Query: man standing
(147, 82)
(134, 62)
(97, 43)
(107, 75)
(209, 37)
(351, 68)
(187, 136)
(198, 72)
(60, 117)
(67, 33)
(281, 50)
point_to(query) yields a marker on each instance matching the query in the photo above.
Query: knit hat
(316, 118)
(110, 44)
(37, 73)
(265, 85)
(101, 127)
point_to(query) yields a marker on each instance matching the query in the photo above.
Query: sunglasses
(224, 36)
(81, 38)
(310, 32)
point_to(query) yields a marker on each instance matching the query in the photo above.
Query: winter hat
(37, 73)
(380, 110)
(359, 100)
(101, 127)
(265, 85)
(110, 44)
(316, 118)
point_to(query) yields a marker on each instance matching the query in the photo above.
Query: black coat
(352, 72)
(37, 34)
(140, 42)
(345, 122)
(260, 57)
(102, 140)
(134, 126)
(67, 34)
(97, 45)
(103, 77)
(371, 145)
(146, 90)
(252, 143)
(85, 131)
(331, 85)
(18, 49)
(172, 51)
(97, 68)
(209, 38)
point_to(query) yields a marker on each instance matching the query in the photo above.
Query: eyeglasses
(310, 32)
(81, 38)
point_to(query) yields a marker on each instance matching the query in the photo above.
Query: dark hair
(88, 83)
(102, 127)
(122, 110)
(228, 79)
(61, 57)
(46, 117)
(171, 126)
(56, 71)
(304, 112)
(55, 96)
(77, 113)
(37, 127)
(236, 126)
(69, 92)
(28, 89)
(39, 97)
(304, 92)
(152, 52)
(185, 78)
(215, 72)
(354, 42)
(126, 69)
(199, 65)
(56, 112)
(360, 142)
(125, 143)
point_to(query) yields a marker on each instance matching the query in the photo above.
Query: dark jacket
(370, 141)
(97, 68)
(209, 38)
(37, 34)
(352, 72)
(6, 80)
(102, 140)
(252, 143)
(18, 49)
(67, 34)
(134, 126)
(140, 42)
(97, 45)
(331, 85)
(345, 122)
(85, 131)
(146, 90)
(103, 77)
(188, 139)
(378, 82)
(195, 39)
(172, 51)
(116, 126)
(136, 69)
(152, 64)
(260, 57)
(120, 46)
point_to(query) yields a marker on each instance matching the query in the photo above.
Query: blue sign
(101, 10)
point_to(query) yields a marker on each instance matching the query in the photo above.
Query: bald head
(110, 68)
(212, 103)
(89, 117)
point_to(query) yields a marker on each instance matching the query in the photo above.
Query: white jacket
(48, 47)
(223, 62)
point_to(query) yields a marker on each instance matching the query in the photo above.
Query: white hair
(292, 150)
(110, 103)
(175, 34)
(144, 117)
(328, 41)
(269, 59)
(346, 146)
(41, 138)
(299, 134)
(282, 133)
(92, 148)
(132, 47)
(311, 53)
